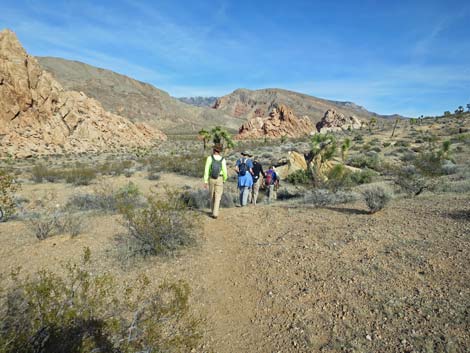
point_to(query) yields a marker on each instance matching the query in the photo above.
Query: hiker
(257, 170)
(271, 182)
(215, 174)
(244, 169)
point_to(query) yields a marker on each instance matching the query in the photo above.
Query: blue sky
(407, 57)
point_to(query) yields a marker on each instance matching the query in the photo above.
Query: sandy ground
(279, 278)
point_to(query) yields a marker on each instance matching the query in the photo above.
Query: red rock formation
(281, 122)
(37, 116)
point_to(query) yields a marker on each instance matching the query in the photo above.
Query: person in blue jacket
(244, 169)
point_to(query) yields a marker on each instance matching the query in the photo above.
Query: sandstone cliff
(280, 122)
(37, 116)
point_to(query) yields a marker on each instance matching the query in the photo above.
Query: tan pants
(255, 191)
(216, 189)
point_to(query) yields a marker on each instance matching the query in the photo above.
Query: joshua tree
(459, 110)
(446, 113)
(395, 126)
(218, 135)
(345, 148)
(372, 123)
(468, 107)
(323, 148)
(205, 136)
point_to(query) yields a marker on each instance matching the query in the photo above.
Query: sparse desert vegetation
(336, 264)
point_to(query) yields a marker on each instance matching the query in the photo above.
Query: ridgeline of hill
(136, 100)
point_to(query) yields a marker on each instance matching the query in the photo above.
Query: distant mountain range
(199, 101)
(246, 104)
(142, 102)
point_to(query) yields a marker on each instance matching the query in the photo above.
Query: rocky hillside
(37, 116)
(138, 101)
(248, 104)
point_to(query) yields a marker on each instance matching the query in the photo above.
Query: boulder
(295, 162)
(37, 116)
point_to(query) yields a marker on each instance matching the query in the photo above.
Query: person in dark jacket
(257, 172)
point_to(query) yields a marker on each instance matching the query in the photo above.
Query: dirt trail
(227, 291)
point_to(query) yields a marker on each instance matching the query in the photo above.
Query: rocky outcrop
(280, 122)
(334, 121)
(37, 116)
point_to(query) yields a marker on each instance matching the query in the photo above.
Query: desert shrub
(301, 177)
(8, 187)
(115, 168)
(82, 312)
(337, 177)
(324, 197)
(376, 197)
(448, 167)
(40, 172)
(162, 227)
(199, 199)
(362, 177)
(80, 175)
(153, 175)
(43, 225)
(107, 199)
(285, 194)
(189, 165)
(69, 222)
(410, 180)
(370, 160)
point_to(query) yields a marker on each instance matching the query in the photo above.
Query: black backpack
(216, 167)
(243, 167)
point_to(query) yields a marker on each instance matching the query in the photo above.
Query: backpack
(216, 167)
(269, 176)
(242, 168)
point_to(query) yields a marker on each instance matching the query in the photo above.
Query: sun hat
(246, 154)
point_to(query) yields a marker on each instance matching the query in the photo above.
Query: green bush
(162, 227)
(82, 312)
(362, 177)
(301, 177)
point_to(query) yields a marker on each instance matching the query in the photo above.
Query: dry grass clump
(82, 312)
